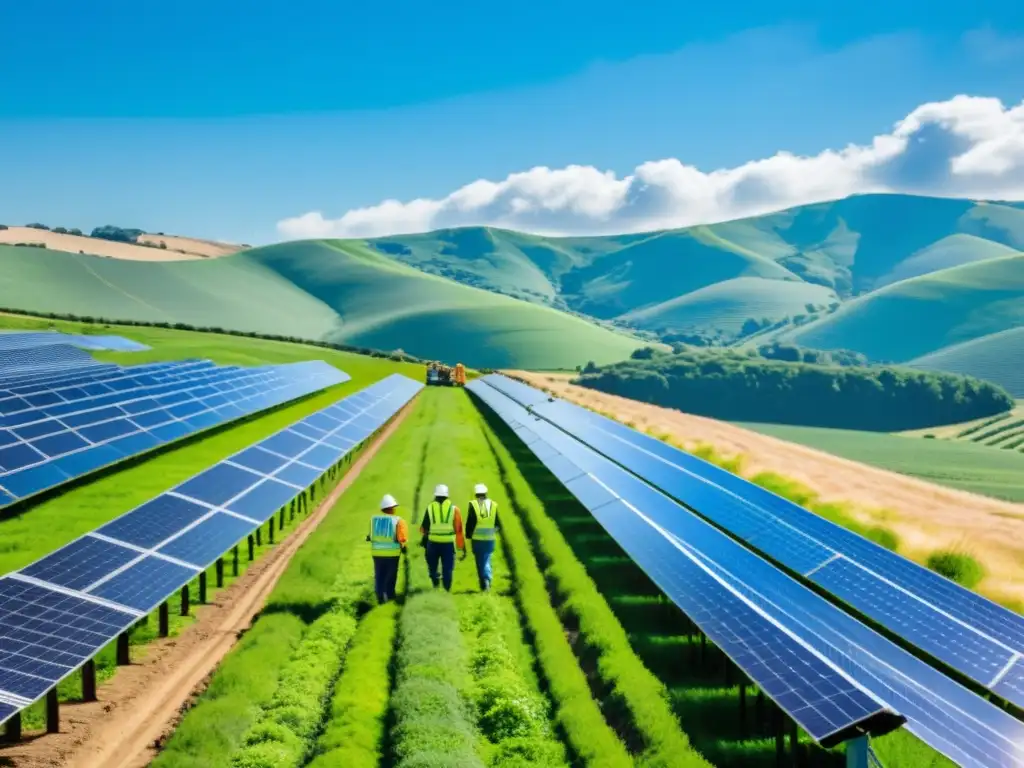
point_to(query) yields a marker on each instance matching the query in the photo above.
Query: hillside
(919, 316)
(893, 277)
(341, 292)
(998, 357)
(147, 247)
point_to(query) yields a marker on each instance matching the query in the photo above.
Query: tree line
(734, 386)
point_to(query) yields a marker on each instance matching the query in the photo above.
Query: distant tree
(3, 227)
(590, 367)
(644, 353)
(60, 230)
(116, 234)
(37, 225)
(163, 245)
(75, 231)
(811, 308)
(750, 327)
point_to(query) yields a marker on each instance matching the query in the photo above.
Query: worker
(387, 537)
(481, 525)
(442, 527)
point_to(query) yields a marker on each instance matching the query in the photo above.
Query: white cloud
(967, 146)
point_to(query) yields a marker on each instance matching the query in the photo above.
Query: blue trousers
(385, 577)
(445, 554)
(482, 551)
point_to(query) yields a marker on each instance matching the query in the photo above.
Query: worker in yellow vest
(481, 526)
(442, 527)
(387, 537)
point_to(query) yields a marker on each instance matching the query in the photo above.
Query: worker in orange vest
(442, 527)
(387, 537)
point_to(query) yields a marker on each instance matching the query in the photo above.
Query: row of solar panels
(32, 339)
(59, 611)
(973, 635)
(832, 674)
(66, 425)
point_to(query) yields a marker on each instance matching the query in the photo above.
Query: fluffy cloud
(967, 146)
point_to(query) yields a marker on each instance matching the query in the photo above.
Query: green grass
(340, 291)
(995, 357)
(957, 464)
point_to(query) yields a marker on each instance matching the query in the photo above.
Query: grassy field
(341, 291)
(957, 464)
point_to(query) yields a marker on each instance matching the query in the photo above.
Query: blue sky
(198, 119)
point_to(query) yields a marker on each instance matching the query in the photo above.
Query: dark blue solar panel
(18, 456)
(298, 474)
(38, 429)
(218, 484)
(263, 500)
(26, 482)
(80, 563)
(107, 430)
(322, 457)
(89, 460)
(307, 431)
(76, 420)
(208, 540)
(132, 445)
(57, 445)
(259, 460)
(287, 443)
(6, 710)
(145, 584)
(155, 521)
(44, 635)
(170, 431)
(203, 420)
(152, 418)
(6, 438)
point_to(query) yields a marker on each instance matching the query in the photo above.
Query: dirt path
(142, 704)
(926, 516)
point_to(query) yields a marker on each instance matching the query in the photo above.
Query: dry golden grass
(926, 516)
(178, 248)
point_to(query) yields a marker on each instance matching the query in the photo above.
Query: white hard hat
(480, 489)
(388, 501)
(441, 490)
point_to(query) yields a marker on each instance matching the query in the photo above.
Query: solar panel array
(669, 542)
(31, 339)
(64, 426)
(971, 634)
(59, 611)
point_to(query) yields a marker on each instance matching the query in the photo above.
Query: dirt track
(142, 704)
(926, 516)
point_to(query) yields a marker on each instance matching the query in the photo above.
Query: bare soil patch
(926, 516)
(142, 704)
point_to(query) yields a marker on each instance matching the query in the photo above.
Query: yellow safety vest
(383, 529)
(442, 522)
(486, 518)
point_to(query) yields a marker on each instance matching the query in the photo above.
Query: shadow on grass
(703, 685)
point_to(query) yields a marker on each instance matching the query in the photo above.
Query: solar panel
(58, 611)
(964, 630)
(33, 339)
(73, 438)
(947, 716)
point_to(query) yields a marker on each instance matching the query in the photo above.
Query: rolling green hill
(727, 305)
(338, 291)
(919, 316)
(893, 277)
(998, 357)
